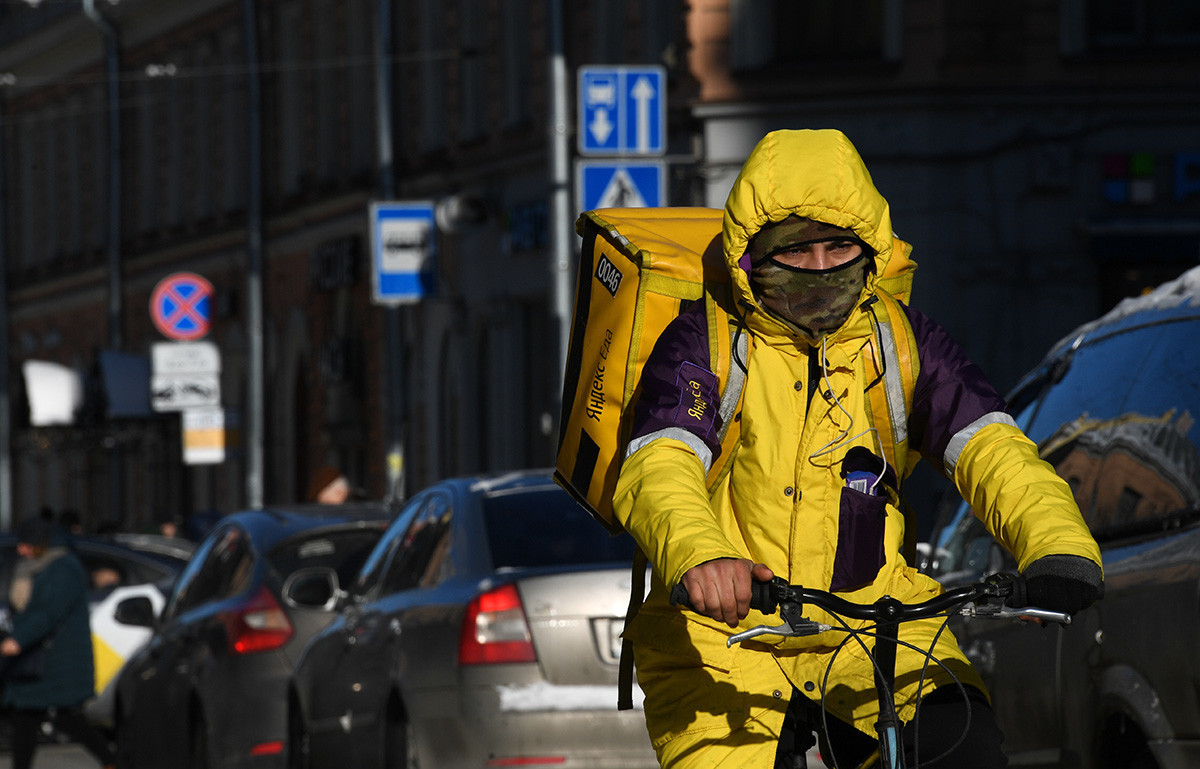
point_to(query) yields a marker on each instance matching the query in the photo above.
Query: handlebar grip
(1019, 598)
(761, 597)
(679, 597)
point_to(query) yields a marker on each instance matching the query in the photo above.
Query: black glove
(1065, 583)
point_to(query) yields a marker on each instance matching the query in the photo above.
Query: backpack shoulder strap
(729, 349)
(637, 592)
(897, 363)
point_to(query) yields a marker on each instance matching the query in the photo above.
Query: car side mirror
(137, 611)
(313, 588)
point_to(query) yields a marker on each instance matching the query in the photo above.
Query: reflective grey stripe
(954, 448)
(893, 383)
(679, 434)
(734, 382)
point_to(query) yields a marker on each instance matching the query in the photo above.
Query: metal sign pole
(560, 195)
(254, 246)
(6, 498)
(393, 381)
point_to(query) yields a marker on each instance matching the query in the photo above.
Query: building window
(234, 140)
(147, 161)
(767, 34)
(609, 33)
(203, 98)
(516, 63)
(72, 178)
(661, 26)
(1133, 26)
(291, 119)
(178, 149)
(433, 69)
(472, 104)
(360, 84)
(95, 199)
(985, 32)
(32, 183)
(52, 187)
(329, 74)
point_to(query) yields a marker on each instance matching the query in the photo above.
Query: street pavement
(56, 757)
(72, 756)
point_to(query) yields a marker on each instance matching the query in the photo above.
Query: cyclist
(809, 495)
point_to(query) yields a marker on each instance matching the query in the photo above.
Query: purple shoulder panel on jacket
(951, 391)
(678, 387)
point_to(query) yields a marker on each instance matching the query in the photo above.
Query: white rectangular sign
(185, 358)
(404, 248)
(203, 436)
(183, 391)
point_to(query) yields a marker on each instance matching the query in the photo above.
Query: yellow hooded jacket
(781, 501)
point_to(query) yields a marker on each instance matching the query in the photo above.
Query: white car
(113, 642)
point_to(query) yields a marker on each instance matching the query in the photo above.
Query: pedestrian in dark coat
(49, 601)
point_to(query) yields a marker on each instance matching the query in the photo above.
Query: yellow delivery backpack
(639, 269)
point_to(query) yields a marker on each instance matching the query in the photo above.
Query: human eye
(792, 251)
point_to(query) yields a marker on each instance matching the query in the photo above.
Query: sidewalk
(56, 757)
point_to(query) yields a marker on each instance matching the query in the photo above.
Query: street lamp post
(5, 424)
(111, 48)
(393, 326)
(560, 195)
(115, 337)
(254, 248)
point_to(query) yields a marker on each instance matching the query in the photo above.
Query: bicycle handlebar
(999, 596)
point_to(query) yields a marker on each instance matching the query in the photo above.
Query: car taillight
(272, 748)
(257, 626)
(494, 629)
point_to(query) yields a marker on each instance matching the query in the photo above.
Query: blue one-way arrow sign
(622, 110)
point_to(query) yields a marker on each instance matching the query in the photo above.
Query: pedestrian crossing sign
(620, 184)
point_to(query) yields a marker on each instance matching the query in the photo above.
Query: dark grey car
(208, 690)
(483, 631)
(1114, 408)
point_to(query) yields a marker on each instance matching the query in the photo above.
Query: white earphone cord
(841, 439)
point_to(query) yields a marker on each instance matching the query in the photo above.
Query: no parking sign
(181, 306)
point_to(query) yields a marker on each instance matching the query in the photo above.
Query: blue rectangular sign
(620, 183)
(622, 110)
(403, 247)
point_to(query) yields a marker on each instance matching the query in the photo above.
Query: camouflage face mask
(814, 302)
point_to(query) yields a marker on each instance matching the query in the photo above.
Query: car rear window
(344, 551)
(548, 528)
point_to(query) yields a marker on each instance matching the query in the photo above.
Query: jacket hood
(815, 174)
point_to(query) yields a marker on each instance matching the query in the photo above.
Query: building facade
(1042, 156)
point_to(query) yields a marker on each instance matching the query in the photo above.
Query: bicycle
(998, 596)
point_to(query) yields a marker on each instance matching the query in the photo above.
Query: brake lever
(992, 611)
(756, 631)
(794, 626)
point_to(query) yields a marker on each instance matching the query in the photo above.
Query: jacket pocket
(859, 557)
